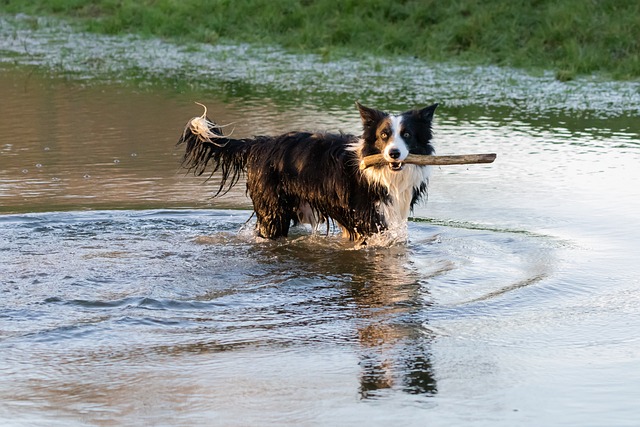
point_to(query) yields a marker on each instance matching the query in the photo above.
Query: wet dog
(304, 177)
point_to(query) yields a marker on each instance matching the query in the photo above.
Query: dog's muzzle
(395, 154)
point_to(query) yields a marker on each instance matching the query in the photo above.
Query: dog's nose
(394, 153)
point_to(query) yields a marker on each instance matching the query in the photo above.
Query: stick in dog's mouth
(425, 160)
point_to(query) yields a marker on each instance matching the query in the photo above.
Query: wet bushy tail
(206, 147)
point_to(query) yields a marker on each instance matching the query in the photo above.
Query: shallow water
(129, 296)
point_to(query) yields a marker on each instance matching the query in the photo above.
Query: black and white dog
(315, 177)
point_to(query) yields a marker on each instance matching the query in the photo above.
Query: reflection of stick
(416, 159)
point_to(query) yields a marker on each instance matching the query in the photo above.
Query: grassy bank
(570, 37)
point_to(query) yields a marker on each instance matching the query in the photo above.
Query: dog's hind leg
(274, 209)
(273, 225)
(273, 215)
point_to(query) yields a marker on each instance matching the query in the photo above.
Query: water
(129, 296)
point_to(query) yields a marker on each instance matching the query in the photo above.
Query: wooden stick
(416, 159)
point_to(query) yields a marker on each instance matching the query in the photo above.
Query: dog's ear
(370, 116)
(426, 113)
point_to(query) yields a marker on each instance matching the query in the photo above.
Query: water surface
(129, 296)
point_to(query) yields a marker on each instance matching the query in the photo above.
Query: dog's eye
(406, 135)
(384, 135)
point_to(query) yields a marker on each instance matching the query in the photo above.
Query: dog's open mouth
(396, 166)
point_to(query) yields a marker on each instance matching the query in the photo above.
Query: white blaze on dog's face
(392, 145)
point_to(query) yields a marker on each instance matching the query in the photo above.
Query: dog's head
(395, 136)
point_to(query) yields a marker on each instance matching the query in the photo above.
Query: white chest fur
(400, 185)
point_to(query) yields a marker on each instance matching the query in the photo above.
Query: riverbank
(566, 37)
(245, 71)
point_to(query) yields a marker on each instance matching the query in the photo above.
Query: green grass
(571, 37)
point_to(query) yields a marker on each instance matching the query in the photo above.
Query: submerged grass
(571, 37)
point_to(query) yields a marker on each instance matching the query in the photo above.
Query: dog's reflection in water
(395, 347)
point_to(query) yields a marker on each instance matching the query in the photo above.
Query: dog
(306, 177)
